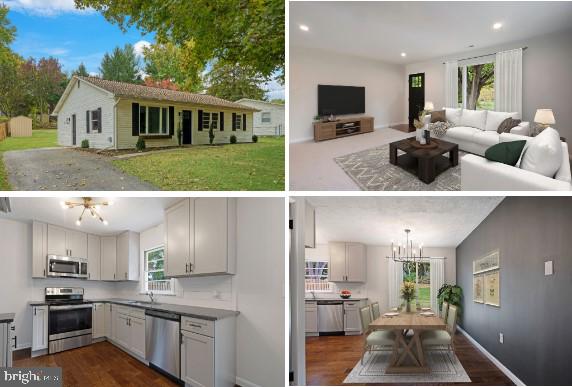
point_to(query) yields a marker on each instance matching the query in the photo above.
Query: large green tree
(7, 33)
(121, 65)
(176, 64)
(248, 32)
(14, 99)
(44, 81)
(81, 71)
(233, 82)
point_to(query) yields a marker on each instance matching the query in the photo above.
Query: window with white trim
(238, 121)
(155, 280)
(266, 117)
(95, 121)
(208, 119)
(153, 120)
(316, 276)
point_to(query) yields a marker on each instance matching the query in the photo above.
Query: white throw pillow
(474, 118)
(494, 119)
(453, 115)
(543, 154)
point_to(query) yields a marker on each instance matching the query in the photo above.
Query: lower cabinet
(39, 328)
(208, 352)
(107, 320)
(311, 318)
(98, 320)
(352, 318)
(130, 329)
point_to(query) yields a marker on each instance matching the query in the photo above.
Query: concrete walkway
(63, 169)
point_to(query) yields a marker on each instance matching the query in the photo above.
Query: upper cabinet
(310, 226)
(108, 258)
(93, 257)
(347, 262)
(128, 256)
(39, 249)
(201, 237)
(66, 242)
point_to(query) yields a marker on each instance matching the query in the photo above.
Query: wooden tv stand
(342, 128)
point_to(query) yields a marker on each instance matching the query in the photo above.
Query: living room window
(477, 86)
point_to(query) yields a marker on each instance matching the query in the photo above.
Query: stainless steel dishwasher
(162, 342)
(330, 317)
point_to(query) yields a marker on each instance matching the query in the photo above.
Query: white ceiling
(436, 221)
(135, 214)
(423, 30)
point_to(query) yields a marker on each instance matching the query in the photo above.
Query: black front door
(73, 130)
(416, 95)
(187, 127)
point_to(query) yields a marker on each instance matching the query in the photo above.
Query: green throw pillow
(506, 152)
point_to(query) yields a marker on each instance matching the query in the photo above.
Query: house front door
(187, 127)
(416, 95)
(74, 135)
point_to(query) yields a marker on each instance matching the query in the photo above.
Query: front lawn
(41, 138)
(232, 167)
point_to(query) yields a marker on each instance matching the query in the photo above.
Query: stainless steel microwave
(59, 266)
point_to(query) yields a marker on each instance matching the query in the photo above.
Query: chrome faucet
(150, 294)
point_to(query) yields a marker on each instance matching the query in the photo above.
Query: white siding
(86, 97)
(275, 126)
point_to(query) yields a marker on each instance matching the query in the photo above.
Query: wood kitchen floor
(329, 360)
(100, 364)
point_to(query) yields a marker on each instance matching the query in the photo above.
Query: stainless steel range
(69, 319)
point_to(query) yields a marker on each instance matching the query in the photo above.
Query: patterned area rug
(371, 171)
(444, 365)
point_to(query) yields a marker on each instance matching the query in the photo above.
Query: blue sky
(55, 28)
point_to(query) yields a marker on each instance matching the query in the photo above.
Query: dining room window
(316, 277)
(420, 274)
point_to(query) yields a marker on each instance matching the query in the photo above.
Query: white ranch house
(269, 120)
(114, 115)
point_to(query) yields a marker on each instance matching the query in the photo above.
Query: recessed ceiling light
(497, 26)
(304, 27)
(403, 54)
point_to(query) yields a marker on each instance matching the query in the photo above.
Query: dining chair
(375, 311)
(444, 310)
(439, 338)
(378, 340)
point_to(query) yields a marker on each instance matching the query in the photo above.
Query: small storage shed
(20, 127)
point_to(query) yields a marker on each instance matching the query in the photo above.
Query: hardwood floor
(100, 364)
(329, 359)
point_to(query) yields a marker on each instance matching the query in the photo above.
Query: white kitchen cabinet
(108, 258)
(66, 242)
(179, 245)
(107, 320)
(352, 318)
(93, 257)
(57, 240)
(130, 329)
(39, 328)
(128, 256)
(122, 331)
(39, 249)
(208, 352)
(310, 226)
(311, 318)
(347, 262)
(76, 242)
(137, 336)
(98, 320)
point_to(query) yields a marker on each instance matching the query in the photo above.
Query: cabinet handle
(191, 267)
(44, 272)
(186, 267)
(195, 325)
(113, 275)
(88, 275)
(125, 275)
(34, 311)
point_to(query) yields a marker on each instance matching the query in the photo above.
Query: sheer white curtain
(395, 274)
(437, 270)
(508, 81)
(451, 84)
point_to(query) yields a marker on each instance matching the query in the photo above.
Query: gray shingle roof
(129, 90)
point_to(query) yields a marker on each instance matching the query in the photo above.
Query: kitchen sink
(132, 302)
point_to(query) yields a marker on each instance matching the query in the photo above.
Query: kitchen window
(153, 120)
(316, 276)
(266, 117)
(155, 280)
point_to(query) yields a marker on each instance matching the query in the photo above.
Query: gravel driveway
(64, 169)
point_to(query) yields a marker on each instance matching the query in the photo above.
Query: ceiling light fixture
(405, 252)
(497, 26)
(88, 205)
(304, 27)
(403, 54)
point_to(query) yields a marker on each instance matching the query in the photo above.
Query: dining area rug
(444, 364)
(371, 170)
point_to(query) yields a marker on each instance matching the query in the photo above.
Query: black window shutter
(233, 121)
(200, 120)
(221, 119)
(99, 120)
(171, 120)
(87, 120)
(135, 119)
(244, 122)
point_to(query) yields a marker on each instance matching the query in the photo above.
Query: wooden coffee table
(427, 162)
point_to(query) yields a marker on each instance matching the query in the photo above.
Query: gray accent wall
(535, 314)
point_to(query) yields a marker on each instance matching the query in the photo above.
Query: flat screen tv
(338, 100)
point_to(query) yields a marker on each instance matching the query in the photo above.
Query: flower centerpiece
(408, 293)
(345, 293)
(420, 127)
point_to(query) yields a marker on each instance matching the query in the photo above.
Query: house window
(266, 118)
(416, 81)
(238, 121)
(155, 280)
(316, 277)
(153, 120)
(208, 119)
(95, 121)
(476, 86)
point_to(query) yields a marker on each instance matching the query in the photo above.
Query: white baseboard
(245, 383)
(496, 362)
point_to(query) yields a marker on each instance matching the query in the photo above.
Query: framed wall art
(487, 263)
(492, 288)
(478, 288)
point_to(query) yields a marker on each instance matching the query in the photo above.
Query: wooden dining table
(407, 355)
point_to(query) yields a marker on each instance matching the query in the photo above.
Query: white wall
(17, 286)
(546, 77)
(384, 92)
(261, 292)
